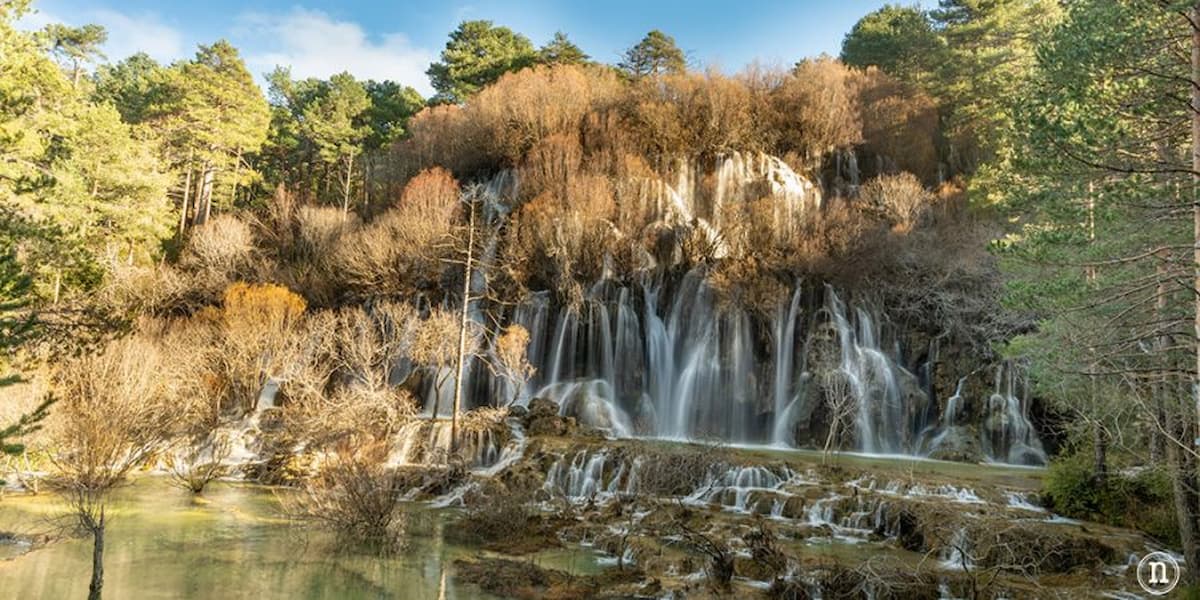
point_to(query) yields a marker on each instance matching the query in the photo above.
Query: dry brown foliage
(115, 409)
(442, 135)
(400, 253)
(694, 114)
(898, 198)
(432, 195)
(813, 111)
(258, 339)
(358, 498)
(900, 125)
(527, 106)
(435, 339)
(512, 362)
(224, 245)
(558, 240)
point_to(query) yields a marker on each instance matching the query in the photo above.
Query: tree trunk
(187, 190)
(1160, 387)
(1099, 453)
(237, 171)
(1183, 484)
(97, 558)
(346, 186)
(204, 195)
(1195, 86)
(462, 329)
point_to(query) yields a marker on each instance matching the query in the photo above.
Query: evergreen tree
(332, 123)
(989, 54)
(900, 40)
(655, 55)
(211, 116)
(562, 51)
(477, 54)
(75, 46)
(133, 86)
(1104, 253)
(392, 105)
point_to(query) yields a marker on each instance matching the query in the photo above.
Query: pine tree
(562, 51)
(477, 54)
(655, 55)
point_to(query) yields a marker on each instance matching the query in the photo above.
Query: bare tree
(114, 413)
(840, 404)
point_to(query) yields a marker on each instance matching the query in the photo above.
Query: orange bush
(433, 194)
(255, 305)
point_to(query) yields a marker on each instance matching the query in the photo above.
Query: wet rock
(518, 411)
(957, 444)
(542, 418)
(905, 527)
(542, 407)
(546, 426)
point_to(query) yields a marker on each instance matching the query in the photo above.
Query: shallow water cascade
(655, 353)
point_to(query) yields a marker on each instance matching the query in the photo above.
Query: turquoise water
(232, 543)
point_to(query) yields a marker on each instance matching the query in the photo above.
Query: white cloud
(130, 34)
(314, 44)
(127, 34)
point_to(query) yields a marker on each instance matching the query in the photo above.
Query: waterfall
(665, 359)
(1007, 434)
(785, 335)
(660, 353)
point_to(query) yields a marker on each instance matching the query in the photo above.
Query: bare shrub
(900, 198)
(720, 566)
(358, 498)
(677, 471)
(136, 289)
(435, 345)
(370, 344)
(114, 412)
(839, 404)
(191, 362)
(224, 245)
(325, 420)
(400, 253)
(527, 106)
(200, 462)
(257, 329)
(504, 521)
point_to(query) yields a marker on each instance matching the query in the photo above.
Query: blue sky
(397, 39)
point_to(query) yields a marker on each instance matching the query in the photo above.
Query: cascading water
(1007, 434)
(659, 355)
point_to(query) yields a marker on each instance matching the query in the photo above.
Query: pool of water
(231, 543)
